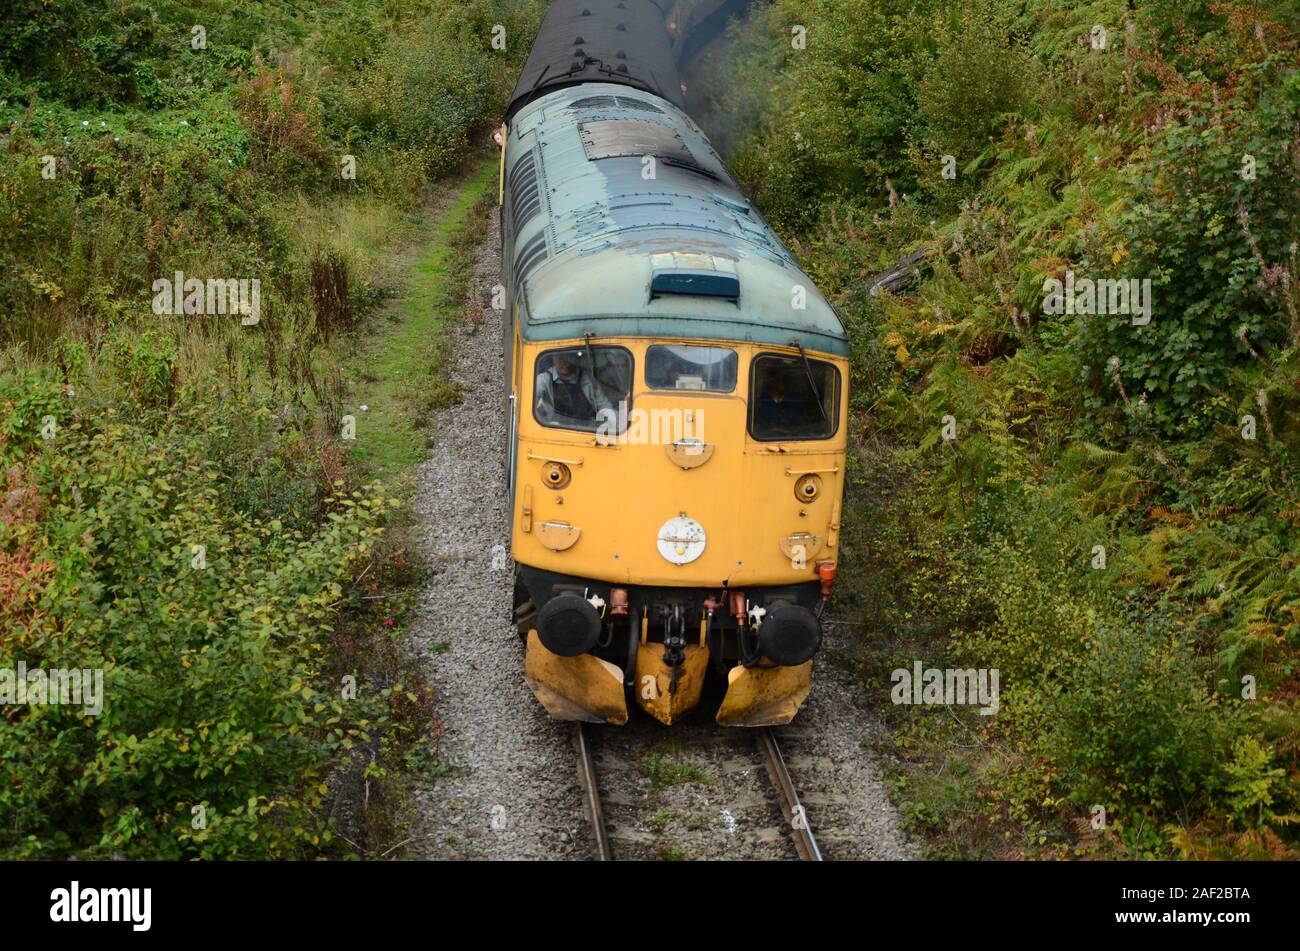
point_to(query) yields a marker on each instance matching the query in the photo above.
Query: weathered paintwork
(621, 494)
(575, 688)
(602, 220)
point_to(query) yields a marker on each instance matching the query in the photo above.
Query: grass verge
(402, 372)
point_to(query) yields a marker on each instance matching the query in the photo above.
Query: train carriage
(677, 395)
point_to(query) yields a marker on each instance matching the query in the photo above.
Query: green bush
(146, 367)
(424, 94)
(1135, 726)
(1189, 231)
(840, 125)
(978, 74)
(213, 656)
(127, 441)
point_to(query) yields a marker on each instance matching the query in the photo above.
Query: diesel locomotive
(677, 391)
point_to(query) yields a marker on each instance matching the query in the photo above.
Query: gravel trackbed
(514, 792)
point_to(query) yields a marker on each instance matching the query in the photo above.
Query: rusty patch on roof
(619, 138)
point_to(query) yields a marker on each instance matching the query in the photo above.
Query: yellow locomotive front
(676, 510)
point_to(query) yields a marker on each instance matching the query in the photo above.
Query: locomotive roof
(596, 240)
(612, 41)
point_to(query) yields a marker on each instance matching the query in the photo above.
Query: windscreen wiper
(807, 368)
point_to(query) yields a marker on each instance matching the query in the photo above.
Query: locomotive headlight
(808, 488)
(556, 475)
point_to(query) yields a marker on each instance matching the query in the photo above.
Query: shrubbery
(175, 506)
(1114, 525)
(210, 626)
(1189, 230)
(272, 104)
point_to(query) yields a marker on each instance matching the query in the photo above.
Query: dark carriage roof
(607, 41)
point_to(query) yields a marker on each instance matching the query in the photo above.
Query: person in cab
(781, 413)
(566, 390)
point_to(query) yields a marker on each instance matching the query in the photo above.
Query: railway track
(591, 793)
(765, 753)
(792, 807)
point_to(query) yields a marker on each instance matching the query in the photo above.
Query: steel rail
(591, 793)
(794, 810)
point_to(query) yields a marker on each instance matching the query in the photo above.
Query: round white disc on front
(681, 540)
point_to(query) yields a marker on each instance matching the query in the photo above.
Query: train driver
(780, 413)
(567, 390)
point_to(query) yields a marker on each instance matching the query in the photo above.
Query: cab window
(678, 367)
(792, 399)
(586, 388)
